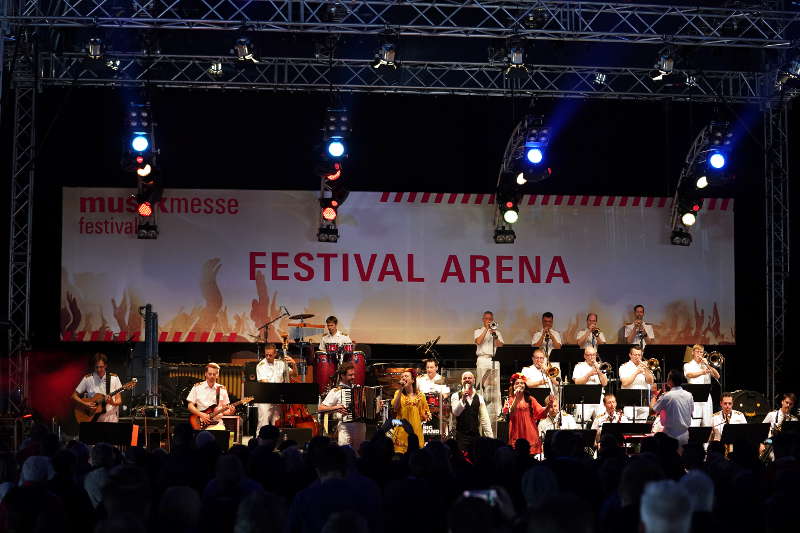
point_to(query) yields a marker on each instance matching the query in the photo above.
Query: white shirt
(458, 403)
(92, 384)
(427, 385)
(487, 348)
(533, 374)
(648, 329)
(626, 371)
(583, 368)
(588, 342)
(549, 424)
(775, 418)
(718, 422)
(204, 396)
(271, 372)
(675, 410)
(694, 367)
(554, 335)
(617, 418)
(338, 338)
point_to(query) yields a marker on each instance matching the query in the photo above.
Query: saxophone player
(727, 415)
(784, 414)
(639, 332)
(591, 336)
(609, 416)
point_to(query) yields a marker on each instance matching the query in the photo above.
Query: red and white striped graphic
(137, 336)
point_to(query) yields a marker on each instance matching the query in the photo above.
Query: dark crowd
(272, 485)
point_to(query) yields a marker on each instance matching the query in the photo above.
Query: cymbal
(302, 316)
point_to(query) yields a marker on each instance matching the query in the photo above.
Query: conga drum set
(327, 361)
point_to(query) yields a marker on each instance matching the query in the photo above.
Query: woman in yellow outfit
(412, 405)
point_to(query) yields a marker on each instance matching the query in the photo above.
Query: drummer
(334, 336)
(431, 381)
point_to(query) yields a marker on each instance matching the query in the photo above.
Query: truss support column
(776, 182)
(20, 227)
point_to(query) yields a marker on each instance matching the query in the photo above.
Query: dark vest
(467, 421)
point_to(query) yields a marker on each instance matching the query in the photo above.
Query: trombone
(713, 360)
(602, 366)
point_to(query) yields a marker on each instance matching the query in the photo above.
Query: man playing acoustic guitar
(209, 393)
(103, 383)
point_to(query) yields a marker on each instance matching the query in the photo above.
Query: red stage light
(696, 207)
(509, 204)
(329, 213)
(139, 159)
(334, 203)
(336, 174)
(145, 209)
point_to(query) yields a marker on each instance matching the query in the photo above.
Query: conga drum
(324, 369)
(360, 363)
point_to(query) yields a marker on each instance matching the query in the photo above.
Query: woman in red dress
(523, 413)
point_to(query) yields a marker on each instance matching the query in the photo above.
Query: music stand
(577, 394)
(754, 434)
(116, 433)
(540, 394)
(790, 427)
(633, 398)
(282, 393)
(625, 428)
(699, 435)
(700, 393)
(571, 355)
(586, 436)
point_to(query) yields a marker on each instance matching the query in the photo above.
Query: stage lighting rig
(386, 55)
(335, 135)
(95, 49)
(140, 159)
(665, 64)
(216, 69)
(599, 79)
(680, 237)
(515, 58)
(789, 73)
(244, 50)
(504, 235)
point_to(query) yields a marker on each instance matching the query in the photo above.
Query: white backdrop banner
(408, 267)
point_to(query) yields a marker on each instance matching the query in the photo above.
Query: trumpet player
(635, 374)
(536, 374)
(547, 338)
(588, 372)
(726, 415)
(639, 332)
(591, 336)
(487, 340)
(698, 371)
(784, 414)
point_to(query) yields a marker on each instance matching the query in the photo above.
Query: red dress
(523, 422)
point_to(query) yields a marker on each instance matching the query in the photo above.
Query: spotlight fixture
(216, 68)
(386, 55)
(335, 132)
(536, 142)
(328, 233)
(665, 63)
(521, 179)
(244, 50)
(536, 19)
(328, 209)
(504, 235)
(716, 160)
(140, 160)
(146, 230)
(702, 182)
(680, 237)
(789, 73)
(515, 58)
(95, 49)
(599, 79)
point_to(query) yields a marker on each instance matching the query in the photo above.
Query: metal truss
(300, 74)
(777, 223)
(550, 20)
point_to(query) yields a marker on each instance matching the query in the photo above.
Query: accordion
(361, 403)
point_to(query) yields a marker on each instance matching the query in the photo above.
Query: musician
(535, 377)
(487, 341)
(591, 336)
(727, 415)
(556, 419)
(208, 393)
(639, 332)
(334, 336)
(610, 415)
(635, 375)
(470, 413)
(587, 372)
(409, 404)
(347, 433)
(100, 382)
(524, 413)
(547, 338)
(271, 370)
(431, 380)
(674, 407)
(697, 371)
(784, 414)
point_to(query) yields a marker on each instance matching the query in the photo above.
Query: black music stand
(700, 393)
(754, 434)
(699, 435)
(790, 427)
(586, 436)
(540, 394)
(567, 356)
(578, 394)
(625, 428)
(116, 433)
(281, 393)
(633, 398)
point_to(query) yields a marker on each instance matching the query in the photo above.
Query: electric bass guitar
(214, 412)
(85, 413)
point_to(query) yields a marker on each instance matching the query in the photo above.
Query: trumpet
(547, 335)
(596, 332)
(493, 325)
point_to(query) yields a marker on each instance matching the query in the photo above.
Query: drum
(360, 362)
(331, 347)
(324, 369)
(347, 347)
(434, 400)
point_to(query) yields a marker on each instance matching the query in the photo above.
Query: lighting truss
(554, 20)
(418, 77)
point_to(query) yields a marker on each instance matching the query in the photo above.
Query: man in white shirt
(535, 377)
(470, 414)
(591, 336)
(674, 408)
(334, 336)
(552, 421)
(431, 381)
(587, 373)
(547, 338)
(100, 382)
(728, 415)
(271, 370)
(635, 375)
(639, 332)
(207, 393)
(347, 433)
(609, 416)
(487, 341)
(784, 414)
(698, 372)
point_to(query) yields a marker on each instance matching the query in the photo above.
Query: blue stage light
(534, 155)
(716, 160)
(140, 143)
(336, 148)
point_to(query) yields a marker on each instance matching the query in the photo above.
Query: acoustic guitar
(84, 413)
(213, 412)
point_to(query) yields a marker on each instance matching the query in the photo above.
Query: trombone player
(591, 336)
(590, 372)
(637, 374)
(699, 372)
(536, 375)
